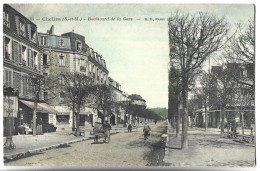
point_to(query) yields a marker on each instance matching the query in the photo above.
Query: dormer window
(6, 19)
(22, 28)
(33, 35)
(43, 40)
(78, 45)
(61, 43)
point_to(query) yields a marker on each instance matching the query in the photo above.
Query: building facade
(68, 53)
(21, 62)
(239, 102)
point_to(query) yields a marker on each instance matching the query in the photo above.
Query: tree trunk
(184, 142)
(34, 115)
(73, 118)
(242, 123)
(206, 118)
(77, 124)
(222, 120)
(178, 122)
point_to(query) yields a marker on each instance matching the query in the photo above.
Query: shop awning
(41, 107)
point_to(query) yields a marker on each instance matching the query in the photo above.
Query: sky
(136, 51)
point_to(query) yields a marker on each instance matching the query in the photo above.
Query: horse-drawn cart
(101, 131)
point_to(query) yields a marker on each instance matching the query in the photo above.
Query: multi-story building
(117, 111)
(22, 61)
(68, 53)
(239, 103)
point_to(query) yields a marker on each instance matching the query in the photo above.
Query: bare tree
(38, 85)
(192, 39)
(203, 93)
(225, 87)
(174, 99)
(78, 89)
(104, 99)
(241, 49)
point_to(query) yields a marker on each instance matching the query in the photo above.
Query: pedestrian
(146, 130)
(130, 127)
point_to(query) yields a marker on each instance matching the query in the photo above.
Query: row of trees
(80, 92)
(193, 39)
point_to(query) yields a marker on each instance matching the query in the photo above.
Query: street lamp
(10, 111)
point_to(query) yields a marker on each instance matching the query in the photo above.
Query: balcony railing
(82, 68)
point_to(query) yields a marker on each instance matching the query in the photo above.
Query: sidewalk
(27, 145)
(207, 149)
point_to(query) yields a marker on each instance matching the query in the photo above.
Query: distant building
(137, 100)
(118, 113)
(240, 104)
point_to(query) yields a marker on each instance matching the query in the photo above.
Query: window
(81, 62)
(61, 43)
(43, 40)
(35, 61)
(8, 78)
(89, 67)
(22, 28)
(23, 55)
(62, 95)
(15, 50)
(25, 85)
(61, 60)
(97, 74)
(44, 59)
(61, 80)
(6, 19)
(82, 65)
(33, 35)
(45, 96)
(78, 45)
(7, 48)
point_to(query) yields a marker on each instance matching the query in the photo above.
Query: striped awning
(41, 107)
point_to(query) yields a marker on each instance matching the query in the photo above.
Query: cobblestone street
(124, 149)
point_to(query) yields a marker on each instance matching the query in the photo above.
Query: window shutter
(32, 59)
(10, 78)
(13, 50)
(39, 61)
(20, 53)
(17, 25)
(28, 57)
(29, 31)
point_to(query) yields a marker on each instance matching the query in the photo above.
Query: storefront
(25, 114)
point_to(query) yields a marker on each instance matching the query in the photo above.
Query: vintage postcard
(129, 85)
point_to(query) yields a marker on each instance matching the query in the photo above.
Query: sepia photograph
(128, 85)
